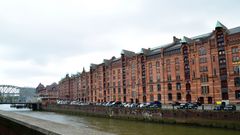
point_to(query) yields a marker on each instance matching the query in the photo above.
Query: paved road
(59, 128)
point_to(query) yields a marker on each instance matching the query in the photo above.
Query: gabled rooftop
(128, 53)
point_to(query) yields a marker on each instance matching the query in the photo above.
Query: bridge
(9, 93)
(18, 96)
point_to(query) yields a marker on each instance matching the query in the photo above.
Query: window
(150, 79)
(204, 78)
(235, 50)
(213, 58)
(237, 81)
(119, 90)
(203, 60)
(193, 74)
(237, 94)
(236, 70)
(224, 84)
(185, 50)
(169, 86)
(157, 64)
(168, 68)
(169, 96)
(158, 87)
(177, 67)
(193, 61)
(188, 86)
(178, 86)
(150, 65)
(151, 88)
(221, 52)
(177, 61)
(202, 51)
(235, 59)
(114, 90)
(214, 72)
(203, 68)
(151, 98)
(169, 78)
(220, 43)
(223, 71)
(158, 78)
(205, 90)
(159, 97)
(168, 61)
(179, 96)
(178, 77)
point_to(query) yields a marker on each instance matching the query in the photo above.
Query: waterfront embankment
(12, 123)
(216, 119)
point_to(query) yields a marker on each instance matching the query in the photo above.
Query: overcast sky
(41, 41)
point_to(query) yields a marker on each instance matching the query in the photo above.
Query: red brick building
(202, 68)
(48, 93)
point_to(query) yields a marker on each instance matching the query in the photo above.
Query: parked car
(187, 106)
(117, 104)
(219, 107)
(155, 104)
(142, 105)
(176, 103)
(230, 108)
(134, 105)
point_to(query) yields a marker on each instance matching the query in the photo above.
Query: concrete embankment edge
(227, 120)
(21, 127)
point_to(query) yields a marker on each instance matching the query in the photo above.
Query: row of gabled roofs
(171, 47)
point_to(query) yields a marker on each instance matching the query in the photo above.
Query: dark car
(220, 107)
(176, 103)
(230, 108)
(155, 104)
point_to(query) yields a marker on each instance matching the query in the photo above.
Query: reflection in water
(121, 127)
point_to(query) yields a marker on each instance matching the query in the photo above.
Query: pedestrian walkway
(49, 127)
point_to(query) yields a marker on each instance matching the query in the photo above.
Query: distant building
(48, 93)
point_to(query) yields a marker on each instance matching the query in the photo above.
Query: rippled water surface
(121, 127)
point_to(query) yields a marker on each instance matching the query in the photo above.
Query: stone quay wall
(11, 126)
(218, 119)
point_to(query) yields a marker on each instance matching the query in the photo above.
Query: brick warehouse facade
(204, 68)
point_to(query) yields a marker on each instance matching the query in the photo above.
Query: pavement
(49, 127)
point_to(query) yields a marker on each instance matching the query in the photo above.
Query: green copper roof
(220, 25)
(186, 40)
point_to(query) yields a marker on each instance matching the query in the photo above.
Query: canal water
(120, 127)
